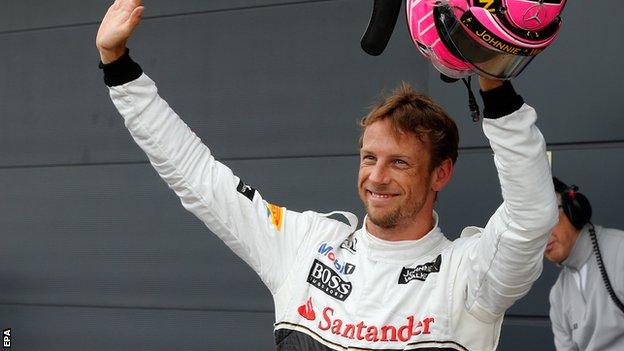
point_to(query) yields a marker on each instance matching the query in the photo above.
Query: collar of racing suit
(580, 252)
(405, 250)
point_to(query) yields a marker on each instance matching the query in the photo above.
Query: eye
(368, 159)
(400, 162)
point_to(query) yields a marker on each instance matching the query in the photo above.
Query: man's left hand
(488, 84)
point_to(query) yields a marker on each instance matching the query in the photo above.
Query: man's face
(562, 240)
(394, 181)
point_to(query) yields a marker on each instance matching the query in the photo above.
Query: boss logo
(328, 281)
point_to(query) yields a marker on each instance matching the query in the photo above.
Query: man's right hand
(118, 24)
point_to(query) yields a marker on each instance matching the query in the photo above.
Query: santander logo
(307, 310)
(361, 331)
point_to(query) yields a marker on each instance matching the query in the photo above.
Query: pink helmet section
(532, 15)
(504, 27)
(525, 23)
(422, 28)
(494, 26)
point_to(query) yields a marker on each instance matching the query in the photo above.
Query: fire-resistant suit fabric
(337, 287)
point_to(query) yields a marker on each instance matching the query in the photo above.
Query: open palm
(117, 25)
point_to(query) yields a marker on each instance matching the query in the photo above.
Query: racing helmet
(495, 38)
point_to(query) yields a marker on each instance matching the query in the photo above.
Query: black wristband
(121, 71)
(500, 101)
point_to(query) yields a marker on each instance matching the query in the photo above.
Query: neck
(412, 229)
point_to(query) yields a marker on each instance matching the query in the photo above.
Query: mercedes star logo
(534, 16)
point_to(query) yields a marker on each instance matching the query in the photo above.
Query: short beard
(389, 221)
(397, 216)
(393, 219)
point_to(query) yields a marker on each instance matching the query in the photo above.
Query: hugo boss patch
(328, 281)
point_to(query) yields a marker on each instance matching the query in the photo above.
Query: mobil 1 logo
(328, 281)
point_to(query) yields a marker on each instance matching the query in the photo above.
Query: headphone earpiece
(574, 204)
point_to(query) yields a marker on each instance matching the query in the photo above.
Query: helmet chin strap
(472, 101)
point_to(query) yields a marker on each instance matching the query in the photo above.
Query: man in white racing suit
(396, 283)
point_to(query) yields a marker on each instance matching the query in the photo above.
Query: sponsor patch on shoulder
(276, 215)
(246, 190)
(420, 272)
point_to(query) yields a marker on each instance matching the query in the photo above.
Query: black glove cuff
(500, 101)
(121, 71)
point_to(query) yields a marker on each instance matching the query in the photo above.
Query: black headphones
(574, 204)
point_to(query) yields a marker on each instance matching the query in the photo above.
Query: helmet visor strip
(443, 66)
(487, 53)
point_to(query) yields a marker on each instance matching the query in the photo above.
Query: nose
(379, 174)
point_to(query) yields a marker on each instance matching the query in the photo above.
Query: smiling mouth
(380, 196)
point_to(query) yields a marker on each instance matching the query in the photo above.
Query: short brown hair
(412, 112)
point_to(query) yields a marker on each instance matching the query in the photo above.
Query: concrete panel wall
(60, 328)
(286, 92)
(96, 252)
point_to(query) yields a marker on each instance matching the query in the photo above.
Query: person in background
(585, 303)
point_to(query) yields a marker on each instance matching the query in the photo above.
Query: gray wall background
(97, 254)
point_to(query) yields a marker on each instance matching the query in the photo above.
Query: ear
(441, 175)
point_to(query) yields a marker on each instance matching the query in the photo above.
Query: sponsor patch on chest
(342, 267)
(330, 321)
(420, 272)
(328, 281)
(349, 244)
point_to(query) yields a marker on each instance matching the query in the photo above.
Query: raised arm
(266, 236)
(506, 259)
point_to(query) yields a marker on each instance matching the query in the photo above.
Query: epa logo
(6, 338)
